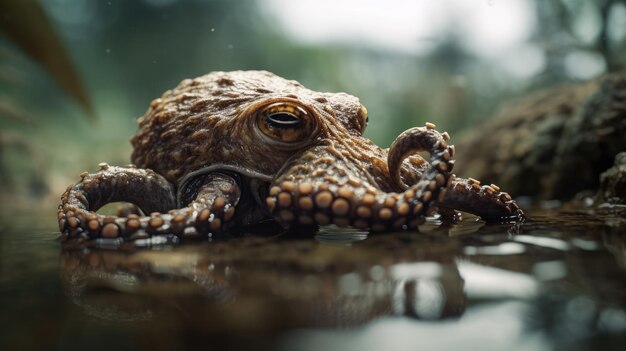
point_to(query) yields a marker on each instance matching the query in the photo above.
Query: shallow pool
(557, 281)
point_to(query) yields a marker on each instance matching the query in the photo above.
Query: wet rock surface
(613, 183)
(551, 144)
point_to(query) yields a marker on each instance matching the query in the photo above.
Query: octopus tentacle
(209, 211)
(309, 192)
(410, 142)
(465, 195)
(486, 201)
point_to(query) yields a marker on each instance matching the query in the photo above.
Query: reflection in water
(307, 283)
(500, 249)
(436, 289)
(347, 277)
(333, 235)
(488, 282)
(550, 270)
(484, 327)
(428, 290)
(553, 243)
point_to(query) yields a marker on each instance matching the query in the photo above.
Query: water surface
(557, 281)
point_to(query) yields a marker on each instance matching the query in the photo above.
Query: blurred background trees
(451, 62)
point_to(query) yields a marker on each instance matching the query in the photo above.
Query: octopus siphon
(231, 149)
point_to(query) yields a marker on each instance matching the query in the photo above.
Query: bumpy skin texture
(233, 148)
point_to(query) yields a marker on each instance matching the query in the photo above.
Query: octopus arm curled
(309, 192)
(210, 210)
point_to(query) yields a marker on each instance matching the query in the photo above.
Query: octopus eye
(283, 119)
(285, 122)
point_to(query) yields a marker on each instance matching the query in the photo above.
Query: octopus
(231, 149)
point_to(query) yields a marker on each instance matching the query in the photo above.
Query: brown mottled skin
(233, 148)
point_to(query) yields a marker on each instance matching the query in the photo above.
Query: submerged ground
(557, 281)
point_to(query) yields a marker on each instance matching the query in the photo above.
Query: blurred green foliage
(26, 24)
